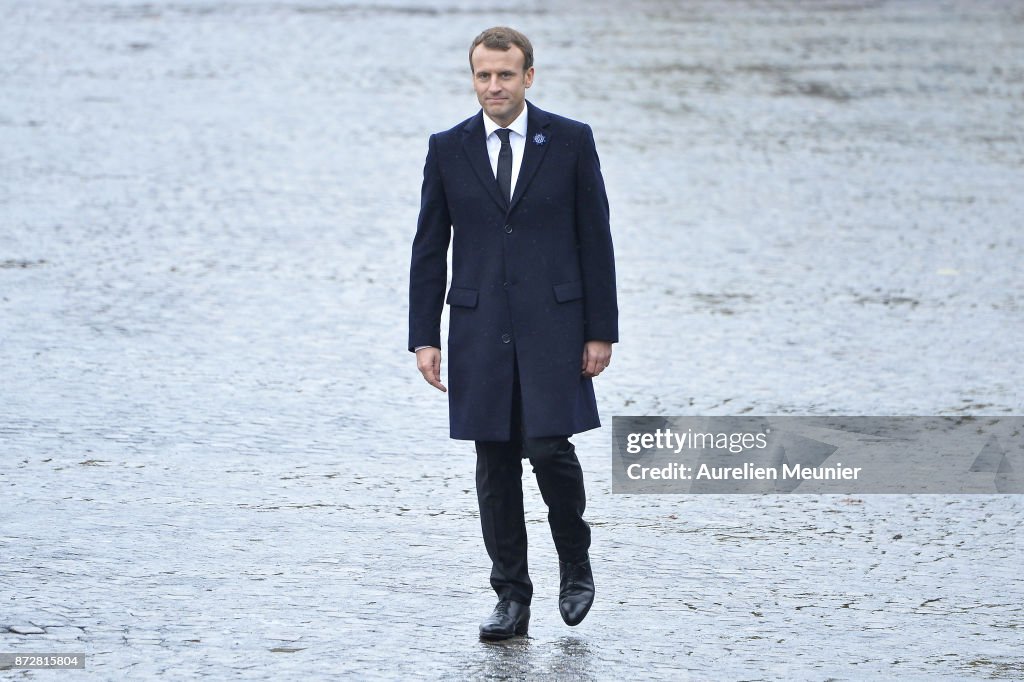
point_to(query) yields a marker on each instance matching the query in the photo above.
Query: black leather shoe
(509, 618)
(577, 591)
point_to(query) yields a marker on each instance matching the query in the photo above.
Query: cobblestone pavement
(219, 460)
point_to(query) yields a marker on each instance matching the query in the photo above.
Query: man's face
(500, 82)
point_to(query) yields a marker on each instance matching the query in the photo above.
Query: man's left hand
(596, 356)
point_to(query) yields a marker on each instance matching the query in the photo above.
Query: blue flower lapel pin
(539, 139)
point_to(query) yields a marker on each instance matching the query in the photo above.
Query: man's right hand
(428, 361)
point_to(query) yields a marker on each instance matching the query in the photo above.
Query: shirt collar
(517, 126)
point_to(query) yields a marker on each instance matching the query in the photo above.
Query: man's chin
(500, 113)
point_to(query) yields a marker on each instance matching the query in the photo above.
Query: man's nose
(494, 85)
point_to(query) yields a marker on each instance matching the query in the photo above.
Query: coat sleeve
(428, 273)
(597, 258)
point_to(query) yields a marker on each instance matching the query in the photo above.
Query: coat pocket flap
(462, 297)
(569, 291)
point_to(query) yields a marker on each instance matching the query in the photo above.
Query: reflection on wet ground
(220, 460)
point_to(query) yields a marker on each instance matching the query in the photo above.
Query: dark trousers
(499, 489)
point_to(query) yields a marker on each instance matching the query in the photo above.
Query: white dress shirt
(517, 140)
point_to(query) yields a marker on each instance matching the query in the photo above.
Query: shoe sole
(500, 638)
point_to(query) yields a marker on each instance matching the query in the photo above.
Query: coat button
(505, 338)
(507, 284)
(508, 229)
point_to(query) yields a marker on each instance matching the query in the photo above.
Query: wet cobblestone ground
(218, 459)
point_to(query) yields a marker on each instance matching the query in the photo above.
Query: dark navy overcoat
(532, 280)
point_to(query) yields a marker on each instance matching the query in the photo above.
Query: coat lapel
(475, 145)
(538, 137)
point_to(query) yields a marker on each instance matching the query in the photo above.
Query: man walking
(519, 195)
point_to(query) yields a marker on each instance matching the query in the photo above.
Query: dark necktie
(505, 165)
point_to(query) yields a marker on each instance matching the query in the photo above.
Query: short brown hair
(503, 38)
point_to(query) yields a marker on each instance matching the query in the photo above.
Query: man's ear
(528, 77)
